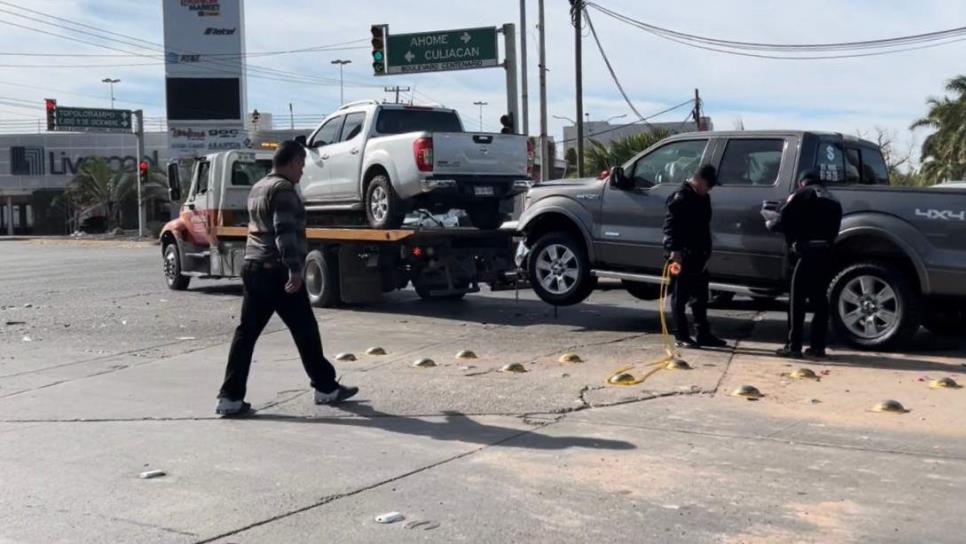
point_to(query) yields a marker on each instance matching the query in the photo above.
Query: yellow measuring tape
(672, 358)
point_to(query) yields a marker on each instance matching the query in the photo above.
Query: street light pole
(341, 63)
(481, 103)
(111, 82)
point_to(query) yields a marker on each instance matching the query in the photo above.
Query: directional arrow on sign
(409, 56)
(466, 37)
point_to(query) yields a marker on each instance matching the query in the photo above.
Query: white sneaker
(228, 407)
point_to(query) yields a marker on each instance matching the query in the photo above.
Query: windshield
(402, 121)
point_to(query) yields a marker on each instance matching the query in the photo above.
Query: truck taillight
(423, 151)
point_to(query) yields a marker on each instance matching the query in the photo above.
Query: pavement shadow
(456, 427)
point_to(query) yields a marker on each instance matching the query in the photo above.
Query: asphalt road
(105, 373)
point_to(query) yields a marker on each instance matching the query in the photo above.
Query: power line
(632, 123)
(610, 68)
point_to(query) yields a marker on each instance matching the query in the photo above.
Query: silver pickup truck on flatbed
(901, 254)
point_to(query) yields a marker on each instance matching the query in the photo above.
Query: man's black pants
(691, 284)
(264, 287)
(810, 280)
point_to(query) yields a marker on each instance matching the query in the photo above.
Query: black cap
(709, 174)
(809, 177)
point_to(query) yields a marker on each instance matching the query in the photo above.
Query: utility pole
(480, 103)
(111, 82)
(397, 89)
(576, 9)
(510, 65)
(139, 116)
(341, 63)
(546, 162)
(291, 117)
(697, 111)
(525, 98)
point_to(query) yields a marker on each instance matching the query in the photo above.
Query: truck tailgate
(479, 154)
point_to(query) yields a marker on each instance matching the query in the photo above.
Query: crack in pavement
(332, 498)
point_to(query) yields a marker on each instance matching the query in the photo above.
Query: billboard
(204, 46)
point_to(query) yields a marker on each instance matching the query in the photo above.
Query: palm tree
(96, 184)
(944, 151)
(600, 157)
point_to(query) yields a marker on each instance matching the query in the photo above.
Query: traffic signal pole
(546, 161)
(139, 117)
(510, 52)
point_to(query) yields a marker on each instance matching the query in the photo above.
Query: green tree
(96, 184)
(944, 151)
(598, 157)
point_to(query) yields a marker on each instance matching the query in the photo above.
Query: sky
(844, 95)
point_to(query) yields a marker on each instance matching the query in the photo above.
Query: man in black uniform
(687, 239)
(810, 219)
(272, 279)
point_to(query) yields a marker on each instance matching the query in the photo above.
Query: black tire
(720, 298)
(322, 279)
(945, 319)
(574, 289)
(642, 291)
(486, 216)
(388, 212)
(171, 266)
(879, 330)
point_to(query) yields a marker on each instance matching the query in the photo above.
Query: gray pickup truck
(901, 255)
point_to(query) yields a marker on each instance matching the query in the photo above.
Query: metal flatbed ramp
(374, 235)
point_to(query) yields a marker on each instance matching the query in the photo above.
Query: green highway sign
(92, 119)
(441, 51)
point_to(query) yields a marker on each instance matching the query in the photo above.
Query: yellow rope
(669, 348)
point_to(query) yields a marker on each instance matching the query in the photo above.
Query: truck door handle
(354, 151)
(771, 204)
(325, 157)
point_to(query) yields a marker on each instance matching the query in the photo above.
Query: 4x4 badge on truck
(945, 215)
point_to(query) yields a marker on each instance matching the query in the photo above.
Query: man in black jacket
(687, 239)
(810, 219)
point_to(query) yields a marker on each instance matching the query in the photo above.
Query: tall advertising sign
(204, 49)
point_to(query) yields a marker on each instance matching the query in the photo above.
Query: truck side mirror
(174, 181)
(618, 179)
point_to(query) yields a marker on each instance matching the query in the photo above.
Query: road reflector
(890, 406)
(514, 367)
(345, 357)
(749, 392)
(425, 362)
(677, 364)
(944, 383)
(151, 474)
(570, 358)
(375, 351)
(804, 374)
(623, 378)
(466, 354)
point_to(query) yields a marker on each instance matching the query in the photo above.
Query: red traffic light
(50, 104)
(143, 167)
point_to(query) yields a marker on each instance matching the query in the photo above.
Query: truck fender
(900, 233)
(561, 206)
(380, 158)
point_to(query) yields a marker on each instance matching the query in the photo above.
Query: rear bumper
(473, 188)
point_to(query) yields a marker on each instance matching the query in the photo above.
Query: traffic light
(143, 167)
(379, 49)
(506, 121)
(51, 105)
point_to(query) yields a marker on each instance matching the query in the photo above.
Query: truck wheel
(172, 269)
(384, 208)
(322, 279)
(560, 270)
(643, 291)
(486, 216)
(874, 306)
(945, 320)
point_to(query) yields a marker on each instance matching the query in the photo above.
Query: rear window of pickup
(403, 121)
(846, 163)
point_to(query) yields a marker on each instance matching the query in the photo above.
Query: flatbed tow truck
(344, 264)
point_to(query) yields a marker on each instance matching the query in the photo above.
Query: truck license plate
(483, 190)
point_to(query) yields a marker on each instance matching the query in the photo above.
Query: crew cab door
(751, 170)
(316, 178)
(631, 231)
(345, 159)
(196, 207)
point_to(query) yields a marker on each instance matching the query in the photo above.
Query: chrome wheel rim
(557, 269)
(313, 278)
(379, 204)
(170, 265)
(869, 307)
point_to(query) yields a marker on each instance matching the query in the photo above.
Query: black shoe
(228, 407)
(338, 395)
(816, 353)
(686, 342)
(711, 341)
(789, 353)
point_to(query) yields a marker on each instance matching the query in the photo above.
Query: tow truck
(345, 264)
